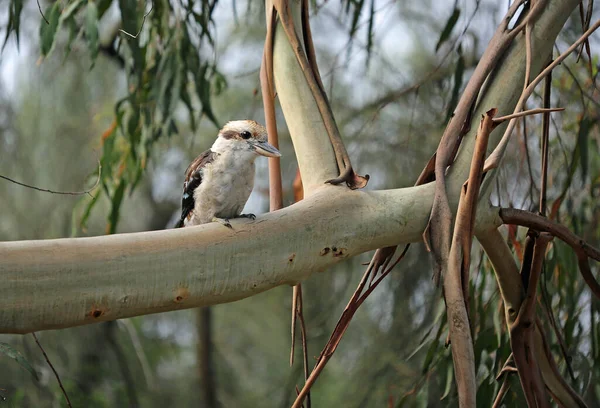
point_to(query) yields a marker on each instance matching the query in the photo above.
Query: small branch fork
(582, 249)
(437, 233)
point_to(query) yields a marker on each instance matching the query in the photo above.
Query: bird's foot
(249, 216)
(223, 221)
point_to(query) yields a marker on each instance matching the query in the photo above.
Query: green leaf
(585, 126)
(8, 351)
(14, 21)
(91, 29)
(88, 211)
(103, 5)
(48, 31)
(458, 79)
(449, 381)
(117, 198)
(448, 28)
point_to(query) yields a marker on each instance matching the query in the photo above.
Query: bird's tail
(179, 223)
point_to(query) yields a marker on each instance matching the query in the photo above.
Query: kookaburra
(219, 181)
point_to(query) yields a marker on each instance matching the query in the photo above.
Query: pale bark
(68, 282)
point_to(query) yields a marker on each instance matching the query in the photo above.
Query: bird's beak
(266, 149)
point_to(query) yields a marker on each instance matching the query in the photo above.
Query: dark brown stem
(380, 260)
(53, 370)
(205, 353)
(582, 249)
(545, 136)
(521, 333)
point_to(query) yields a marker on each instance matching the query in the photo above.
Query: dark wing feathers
(193, 178)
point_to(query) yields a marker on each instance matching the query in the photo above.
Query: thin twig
(304, 342)
(545, 137)
(60, 192)
(536, 111)
(142, 26)
(380, 260)
(40, 9)
(503, 390)
(539, 223)
(53, 370)
(493, 160)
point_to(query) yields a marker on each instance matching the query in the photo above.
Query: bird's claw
(250, 216)
(222, 221)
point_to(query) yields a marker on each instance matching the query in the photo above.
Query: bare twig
(60, 192)
(142, 26)
(53, 370)
(529, 112)
(539, 223)
(40, 9)
(582, 249)
(494, 159)
(380, 260)
(501, 393)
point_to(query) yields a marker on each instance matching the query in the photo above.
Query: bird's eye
(245, 134)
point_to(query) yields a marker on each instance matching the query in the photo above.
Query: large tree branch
(68, 282)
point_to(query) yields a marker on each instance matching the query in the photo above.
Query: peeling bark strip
(456, 279)
(306, 59)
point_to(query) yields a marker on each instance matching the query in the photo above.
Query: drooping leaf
(103, 5)
(445, 34)
(449, 381)
(14, 21)
(458, 79)
(48, 31)
(8, 351)
(585, 126)
(91, 29)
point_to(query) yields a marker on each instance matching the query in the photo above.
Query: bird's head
(244, 137)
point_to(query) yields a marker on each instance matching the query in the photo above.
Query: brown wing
(193, 178)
